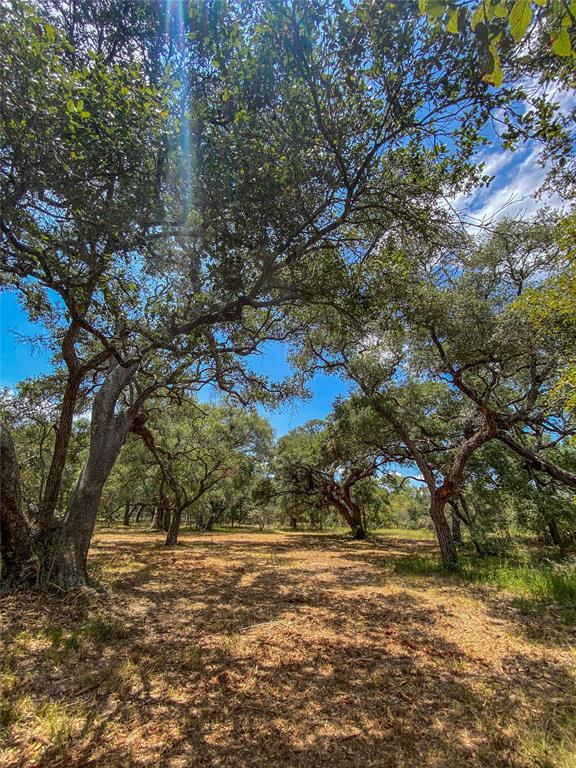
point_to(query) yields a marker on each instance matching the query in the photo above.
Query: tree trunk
(108, 431)
(127, 514)
(556, 536)
(16, 540)
(174, 529)
(293, 523)
(443, 532)
(46, 518)
(354, 519)
(357, 524)
(456, 528)
(350, 511)
(157, 518)
(358, 531)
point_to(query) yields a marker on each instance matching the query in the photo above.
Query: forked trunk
(108, 431)
(353, 516)
(74, 541)
(47, 521)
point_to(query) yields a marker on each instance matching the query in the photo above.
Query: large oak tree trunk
(16, 539)
(358, 527)
(353, 516)
(59, 556)
(108, 431)
(359, 532)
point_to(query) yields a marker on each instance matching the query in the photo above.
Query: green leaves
(562, 45)
(435, 8)
(479, 16)
(50, 32)
(520, 18)
(491, 19)
(452, 23)
(495, 76)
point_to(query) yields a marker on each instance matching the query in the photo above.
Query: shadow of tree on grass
(286, 652)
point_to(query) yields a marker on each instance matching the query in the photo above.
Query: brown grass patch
(278, 650)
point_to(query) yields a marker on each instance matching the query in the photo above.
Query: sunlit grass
(415, 534)
(56, 724)
(545, 581)
(553, 743)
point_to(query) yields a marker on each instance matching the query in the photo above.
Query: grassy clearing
(286, 650)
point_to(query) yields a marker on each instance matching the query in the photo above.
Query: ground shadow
(291, 651)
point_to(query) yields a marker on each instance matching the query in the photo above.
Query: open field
(283, 649)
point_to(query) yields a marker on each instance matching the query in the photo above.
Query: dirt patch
(278, 650)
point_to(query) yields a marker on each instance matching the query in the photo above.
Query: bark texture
(442, 528)
(16, 536)
(456, 528)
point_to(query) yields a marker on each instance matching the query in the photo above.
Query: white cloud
(519, 176)
(513, 192)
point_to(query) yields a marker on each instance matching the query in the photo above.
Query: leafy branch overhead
(500, 25)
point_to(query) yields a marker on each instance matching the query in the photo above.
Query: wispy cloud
(519, 176)
(515, 189)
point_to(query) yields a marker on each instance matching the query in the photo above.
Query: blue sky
(518, 176)
(20, 358)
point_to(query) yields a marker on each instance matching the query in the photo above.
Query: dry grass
(281, 650)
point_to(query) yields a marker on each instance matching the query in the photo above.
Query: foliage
(551, 306)
(329, 465)
(183, 185)
(500, 24)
